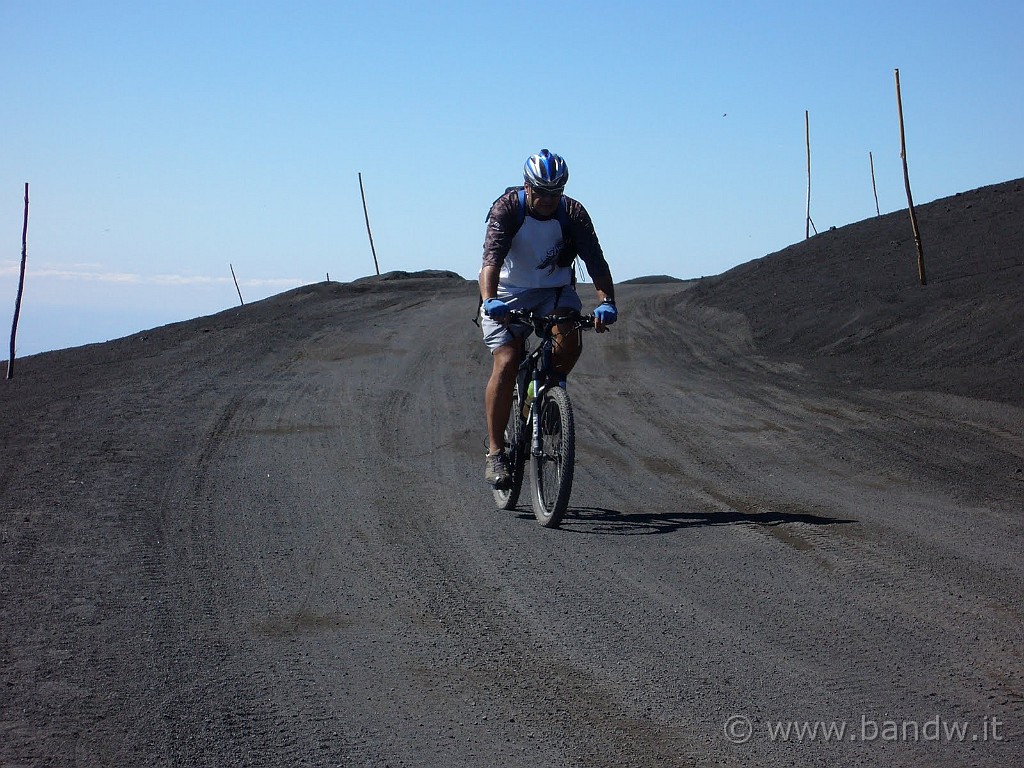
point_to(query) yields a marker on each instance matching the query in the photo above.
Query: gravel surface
(262, 538)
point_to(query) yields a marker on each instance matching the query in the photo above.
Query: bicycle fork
(535, 446)
(541, 383)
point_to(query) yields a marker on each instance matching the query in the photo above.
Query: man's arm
(604, 287)
(589, 249)
(605, 292)
(489, 274)
(497, 241)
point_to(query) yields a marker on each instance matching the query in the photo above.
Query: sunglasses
(548, 194)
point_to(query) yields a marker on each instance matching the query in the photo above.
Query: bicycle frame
(538, 366)
(548, 445)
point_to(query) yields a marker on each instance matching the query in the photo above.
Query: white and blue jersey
(527, 249)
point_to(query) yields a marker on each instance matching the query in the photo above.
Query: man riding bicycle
(532, 239)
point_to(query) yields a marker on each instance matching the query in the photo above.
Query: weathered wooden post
(807, 135)
(21, 289)
(232, 268)
(874, 189)
(368, 232)
(906, 180)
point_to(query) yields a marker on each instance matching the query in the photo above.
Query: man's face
(541, 202)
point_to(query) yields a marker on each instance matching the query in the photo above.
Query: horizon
(162, 144)
(583, 280)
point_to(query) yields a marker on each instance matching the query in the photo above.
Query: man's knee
(568, 348)
(505, 360)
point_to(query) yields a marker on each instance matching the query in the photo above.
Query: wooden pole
(807, 134)
(368, 232)
(874, 189)
(21, 289)
(906, 180)
(236, 284)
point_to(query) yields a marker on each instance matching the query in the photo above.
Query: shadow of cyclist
(611, 522)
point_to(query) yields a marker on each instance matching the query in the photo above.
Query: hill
(262, 537)
(848, 301)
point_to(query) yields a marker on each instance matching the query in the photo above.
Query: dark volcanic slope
(849, 301)
(262, 538)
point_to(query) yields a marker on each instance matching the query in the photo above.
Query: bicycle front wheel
(551, 470)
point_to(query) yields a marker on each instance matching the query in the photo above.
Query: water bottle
(530, 394)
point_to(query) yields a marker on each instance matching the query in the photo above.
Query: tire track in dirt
(528, 696)
(295, 561)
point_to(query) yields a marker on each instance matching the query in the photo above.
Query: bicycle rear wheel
(516, 447)
(551, 471)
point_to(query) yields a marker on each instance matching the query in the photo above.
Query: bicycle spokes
(552, 462)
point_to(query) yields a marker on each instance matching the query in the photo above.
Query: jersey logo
(550, 262)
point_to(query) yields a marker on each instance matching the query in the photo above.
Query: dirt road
(263, 539)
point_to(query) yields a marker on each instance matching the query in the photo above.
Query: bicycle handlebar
(538, 321)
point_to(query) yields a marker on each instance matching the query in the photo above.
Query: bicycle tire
(551, 472)
(516, 444)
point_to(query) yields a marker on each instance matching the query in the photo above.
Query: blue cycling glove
(496, 309)
(606, 312)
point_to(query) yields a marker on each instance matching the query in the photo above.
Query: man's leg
(500, 388)
(568, 346)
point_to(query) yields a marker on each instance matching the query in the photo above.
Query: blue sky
(164, 141)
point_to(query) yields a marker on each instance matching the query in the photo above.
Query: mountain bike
(540, 426)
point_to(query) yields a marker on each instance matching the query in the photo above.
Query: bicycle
(540, 426)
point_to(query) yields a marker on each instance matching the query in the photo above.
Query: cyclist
(528, 265)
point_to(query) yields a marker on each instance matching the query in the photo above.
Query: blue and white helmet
(546, 171)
